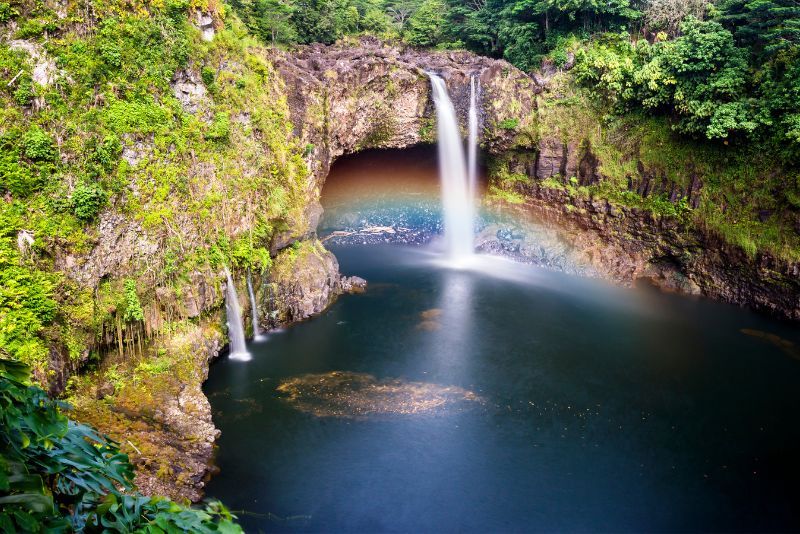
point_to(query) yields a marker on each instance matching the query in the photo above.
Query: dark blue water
(603, 409)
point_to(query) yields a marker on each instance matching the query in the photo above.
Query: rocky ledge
(628, 245)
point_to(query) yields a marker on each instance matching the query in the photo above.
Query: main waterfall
(457, 197)
(472, 146)
(238, 349)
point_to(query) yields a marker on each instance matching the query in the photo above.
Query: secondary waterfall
(472, 146)
(238, 350)
(457, 202)
(254, 310)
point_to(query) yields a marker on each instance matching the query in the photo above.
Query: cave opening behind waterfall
(385, 195)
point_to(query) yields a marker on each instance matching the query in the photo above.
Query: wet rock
(162, 421)
(570, 61)
(133, 151)
(305, 279)
(201, 295)
(548, 162)
(44, 68)
(344, 99)
(352, 284)
(24, 242)
(118, 241)
(205, 22)
(627, 244)
(106, 389)
(788, 347)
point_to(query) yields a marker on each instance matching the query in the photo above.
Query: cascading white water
(472, 143)
(238, 350)
(457, 202)
(254, 310)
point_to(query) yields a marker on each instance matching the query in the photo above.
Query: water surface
(500, 396)
(592, 408)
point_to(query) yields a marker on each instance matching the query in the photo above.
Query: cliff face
(629, 245)
(642, 204)
(367, 94)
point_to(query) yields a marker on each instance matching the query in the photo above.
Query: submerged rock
(358, 395)
(785, 345)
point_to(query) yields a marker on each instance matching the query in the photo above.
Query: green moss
(427, 130)
(508, 124)
(504, 195)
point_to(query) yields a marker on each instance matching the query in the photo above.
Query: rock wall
(628, 245)
(368, 94)
(159, 415)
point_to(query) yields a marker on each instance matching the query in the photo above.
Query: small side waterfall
(238, 350)
(457, 201)
(472, 143)
(254, 310)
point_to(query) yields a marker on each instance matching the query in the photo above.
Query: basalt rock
(628, 245)
(162, 419)
(376, 95)
(553, 157)
(303, 282)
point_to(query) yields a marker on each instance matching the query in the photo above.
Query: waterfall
(457, 202)
(254, 310)
(238, 349)
(472, 146)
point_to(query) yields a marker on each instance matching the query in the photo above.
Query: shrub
(220, 129)
(15, 176)
(107, 152)
(111, 54)
(88, 199)
(37, 145)
(23, 94)
(207, 74)
(30, 28)
(7, 12)
(26, 303)
(133, 308)
(136, 117)
(508, 124)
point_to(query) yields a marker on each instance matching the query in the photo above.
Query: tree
(275, 20)
(399, 11)
(314, 21)
(425, 25)
(346, 17)
(668, 15)
(765, 26)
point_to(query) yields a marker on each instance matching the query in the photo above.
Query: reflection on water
(391, 196)
(601, 409)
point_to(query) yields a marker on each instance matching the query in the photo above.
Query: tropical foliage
(58, 476)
